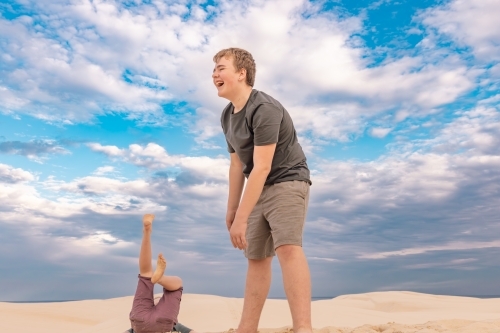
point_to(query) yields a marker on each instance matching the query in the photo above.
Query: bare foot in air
(161, 265)
(147, 221)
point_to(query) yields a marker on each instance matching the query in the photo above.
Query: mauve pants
(146, 317)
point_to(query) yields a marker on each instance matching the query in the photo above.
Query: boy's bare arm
(236, 183)
(263, 158)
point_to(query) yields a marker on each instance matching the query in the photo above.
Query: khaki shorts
(277, 219)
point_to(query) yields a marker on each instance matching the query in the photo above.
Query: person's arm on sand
(236, 183)
(262, 158)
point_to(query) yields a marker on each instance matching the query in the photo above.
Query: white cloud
(380, 132)
(34, 202)
(108, 150)
(53, 77)
(64, 250)
(9, 101)
(104, 170)
(95, 57)
(154, 156)
(96, 243)
(446, 184)
(36, 150)
(407, 183)
(470, 23)
(9, 174)
(454, 246)
(100, 185)
(135, 59)
(478, 129)
(323, 259)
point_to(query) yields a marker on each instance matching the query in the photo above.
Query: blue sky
(107, 111)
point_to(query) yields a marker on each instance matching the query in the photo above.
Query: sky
(108, 111)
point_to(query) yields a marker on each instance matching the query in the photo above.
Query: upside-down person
(146, 316)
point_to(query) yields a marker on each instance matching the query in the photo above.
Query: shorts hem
(270, 255)
(287, 243)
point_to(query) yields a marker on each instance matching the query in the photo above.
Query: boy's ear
(243, 74)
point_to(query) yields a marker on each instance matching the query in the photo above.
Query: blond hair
(241, 59)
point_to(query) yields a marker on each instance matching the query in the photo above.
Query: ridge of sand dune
(388, 312)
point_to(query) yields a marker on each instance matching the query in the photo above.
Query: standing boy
(268, 217)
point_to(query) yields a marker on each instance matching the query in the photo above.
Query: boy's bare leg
(257, 287)
(167, 282)
(170, 282)
(161, 265)
(145, 266)
(297, 282)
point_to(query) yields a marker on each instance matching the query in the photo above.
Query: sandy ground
(388, 312)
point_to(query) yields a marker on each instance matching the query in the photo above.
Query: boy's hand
(148, 218)
(238, 233)
(230, 218)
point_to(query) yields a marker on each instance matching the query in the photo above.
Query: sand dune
(388, 312)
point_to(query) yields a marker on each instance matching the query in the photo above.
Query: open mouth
(219, 84)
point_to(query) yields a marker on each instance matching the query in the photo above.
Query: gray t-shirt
(261, 122)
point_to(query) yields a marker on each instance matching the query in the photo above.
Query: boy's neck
(241, 99)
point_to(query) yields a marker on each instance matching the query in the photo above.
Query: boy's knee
(288, 251)
(260, 262)
(179, 283)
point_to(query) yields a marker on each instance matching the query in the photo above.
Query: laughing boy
(267, 218)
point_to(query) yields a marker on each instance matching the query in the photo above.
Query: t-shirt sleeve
(230, 148)
(266, 124)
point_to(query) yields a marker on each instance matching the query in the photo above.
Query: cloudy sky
(107, 111)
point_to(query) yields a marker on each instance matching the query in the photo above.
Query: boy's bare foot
(161, 265)
(147, 221)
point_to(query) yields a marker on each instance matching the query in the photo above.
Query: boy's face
(226, 79)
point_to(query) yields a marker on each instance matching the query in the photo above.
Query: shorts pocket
(301, 188)
(306, 188)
